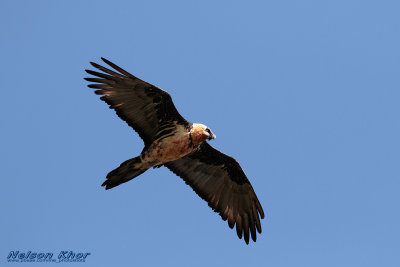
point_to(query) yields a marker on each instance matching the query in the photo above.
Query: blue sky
(304, 94)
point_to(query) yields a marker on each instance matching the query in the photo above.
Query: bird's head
(200, 133)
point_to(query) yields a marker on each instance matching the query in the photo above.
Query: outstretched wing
(145, 107)
(219, 180)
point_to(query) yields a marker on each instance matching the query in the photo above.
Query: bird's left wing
(145, 107)
(219, 180)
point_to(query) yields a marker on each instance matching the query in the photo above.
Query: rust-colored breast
(198, 135)
(168, 149)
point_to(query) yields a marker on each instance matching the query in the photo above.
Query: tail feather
(125, 172)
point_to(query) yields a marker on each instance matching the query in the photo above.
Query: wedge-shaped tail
(125, 172)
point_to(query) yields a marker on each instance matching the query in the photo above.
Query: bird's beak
(212, 136)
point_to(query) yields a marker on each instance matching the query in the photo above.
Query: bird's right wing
(145, 107)
(219, 180)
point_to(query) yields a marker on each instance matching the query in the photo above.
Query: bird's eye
(208, 131)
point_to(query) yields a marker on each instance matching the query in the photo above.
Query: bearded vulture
(179, 145)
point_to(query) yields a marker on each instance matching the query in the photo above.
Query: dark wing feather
(219, 180)
(145, 107)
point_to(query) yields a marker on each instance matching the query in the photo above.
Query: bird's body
(169, 148)
(181, 142)
(179, 145)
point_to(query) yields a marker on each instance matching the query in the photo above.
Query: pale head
(200, 133)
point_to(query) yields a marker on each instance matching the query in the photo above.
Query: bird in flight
(181, 146)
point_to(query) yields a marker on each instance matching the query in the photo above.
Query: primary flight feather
(181, 146)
